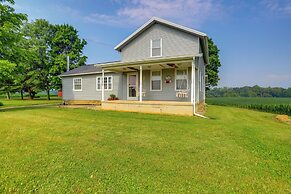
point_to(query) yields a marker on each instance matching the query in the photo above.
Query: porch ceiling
(154, 63)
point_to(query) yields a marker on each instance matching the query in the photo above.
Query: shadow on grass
(22, 108)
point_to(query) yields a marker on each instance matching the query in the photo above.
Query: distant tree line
(33, 54)
(247, 91)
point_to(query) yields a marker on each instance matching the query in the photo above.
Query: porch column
(102, 86)
(193, 81)
(140, 83)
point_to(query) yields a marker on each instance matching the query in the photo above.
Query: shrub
(1, 104)
(113, 97)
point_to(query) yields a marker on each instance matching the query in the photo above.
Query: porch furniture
(143, 93)
(182, 94)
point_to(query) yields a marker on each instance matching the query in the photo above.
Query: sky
(254, 36)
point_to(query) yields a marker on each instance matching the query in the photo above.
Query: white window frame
(161, 46)
(78, 90)
(161, 84)
(186, 79)
(102, 83)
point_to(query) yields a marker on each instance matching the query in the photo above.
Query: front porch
(163, 86)
(153, 107)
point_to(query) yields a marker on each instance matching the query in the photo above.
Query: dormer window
(156, 47)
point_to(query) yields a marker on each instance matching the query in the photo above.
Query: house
(162, 70)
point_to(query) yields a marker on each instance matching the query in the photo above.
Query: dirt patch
(283, 118)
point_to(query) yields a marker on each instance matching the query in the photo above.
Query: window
(156, 48)
(77, 84)
(156, 80)
(98, 83)
(107, 83)
(181, 79)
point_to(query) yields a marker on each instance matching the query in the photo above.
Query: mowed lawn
(60, 150)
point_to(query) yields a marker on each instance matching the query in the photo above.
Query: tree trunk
(30, 94)
(8, 95)
(21, 93)
(48, 94)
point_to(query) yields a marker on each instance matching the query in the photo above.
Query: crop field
(273, 105)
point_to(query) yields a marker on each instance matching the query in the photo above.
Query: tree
(38, 36)
(10, 24)
(6, 76)
(65, 42)
(212, 69)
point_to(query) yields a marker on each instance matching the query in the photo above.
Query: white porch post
(192, 81)
(102, 86)
(140, 83)
(193, 89)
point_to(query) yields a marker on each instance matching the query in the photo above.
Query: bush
(1, 104)
(113, 97)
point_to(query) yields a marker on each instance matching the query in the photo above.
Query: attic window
(156, 48)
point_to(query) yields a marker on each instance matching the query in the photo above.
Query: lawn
(26, 102)
(57, 150)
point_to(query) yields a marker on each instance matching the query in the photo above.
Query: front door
(132, 86)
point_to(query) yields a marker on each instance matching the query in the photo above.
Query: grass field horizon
(264, 104)
(54, 150)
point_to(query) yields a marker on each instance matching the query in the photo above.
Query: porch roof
(151, 61)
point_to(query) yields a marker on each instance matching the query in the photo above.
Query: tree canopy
(34, 53)
(247, 91)
(212, 69)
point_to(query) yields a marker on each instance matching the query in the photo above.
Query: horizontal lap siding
(175, 43)
(168, 89)
(89, 91)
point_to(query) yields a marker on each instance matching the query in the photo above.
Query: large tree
(38, 35)
(10, 25)
(65, 42)
(212, 69)
(6, 76)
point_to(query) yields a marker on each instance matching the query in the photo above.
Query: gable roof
(153, 21)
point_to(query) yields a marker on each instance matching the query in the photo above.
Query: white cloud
(278, 7)
(136, 12)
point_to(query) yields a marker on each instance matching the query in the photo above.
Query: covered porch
(158, 85)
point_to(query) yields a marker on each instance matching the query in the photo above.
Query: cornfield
(272, 105)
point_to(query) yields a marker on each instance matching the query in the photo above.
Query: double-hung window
(156, 80)
(108, 81)
(156, 47)
(77, 84)
(181, 79)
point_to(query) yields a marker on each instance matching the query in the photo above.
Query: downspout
(194, 88)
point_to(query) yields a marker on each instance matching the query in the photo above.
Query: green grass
(54, 150)
(273, 105)
(27, 102)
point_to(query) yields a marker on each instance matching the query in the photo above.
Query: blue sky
(254, 36)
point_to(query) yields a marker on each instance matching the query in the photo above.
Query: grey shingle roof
(85, 69)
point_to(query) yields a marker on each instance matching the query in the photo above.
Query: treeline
(33, 54)
(247, 91)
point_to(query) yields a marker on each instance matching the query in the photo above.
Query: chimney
(68, 63)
